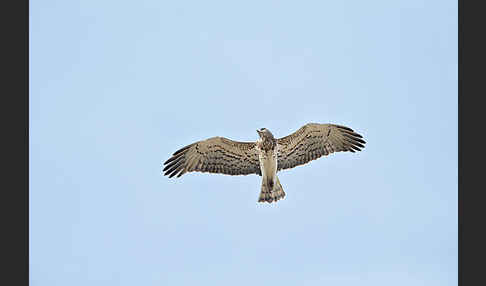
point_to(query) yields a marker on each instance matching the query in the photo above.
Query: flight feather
(313, 141)
(214, 155)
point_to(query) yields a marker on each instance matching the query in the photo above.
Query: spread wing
(215, 155)
(314, 140)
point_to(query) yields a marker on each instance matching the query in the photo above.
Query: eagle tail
(271, 192)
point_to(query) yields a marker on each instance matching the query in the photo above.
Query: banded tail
(271, 192)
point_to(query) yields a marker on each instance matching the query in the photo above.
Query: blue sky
(117, 86)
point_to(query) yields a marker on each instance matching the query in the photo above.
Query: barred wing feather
(314, 140)
(214, 155)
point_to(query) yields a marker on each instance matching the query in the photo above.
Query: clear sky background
(117, 86)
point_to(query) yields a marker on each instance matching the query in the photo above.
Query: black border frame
(15, 120)
(470, 224)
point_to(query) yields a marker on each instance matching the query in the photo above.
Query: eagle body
(266, 156)
(268, 163)
(267, 147)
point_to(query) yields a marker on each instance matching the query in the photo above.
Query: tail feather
(271, 192)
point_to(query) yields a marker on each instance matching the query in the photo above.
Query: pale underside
(268, 163)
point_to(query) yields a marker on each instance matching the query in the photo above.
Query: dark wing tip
(360, 140)
(358, 144)
(174, 170)
(170, 160)
(182, 149)
(352, 133)
(353, 139)
(172, 175)
(344, 127)
(176, 163)
(356, 147)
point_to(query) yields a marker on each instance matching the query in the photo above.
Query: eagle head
(264, 133)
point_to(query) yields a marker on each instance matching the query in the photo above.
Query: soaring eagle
(266, 156)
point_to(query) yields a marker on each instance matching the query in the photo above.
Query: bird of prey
(266, 156)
